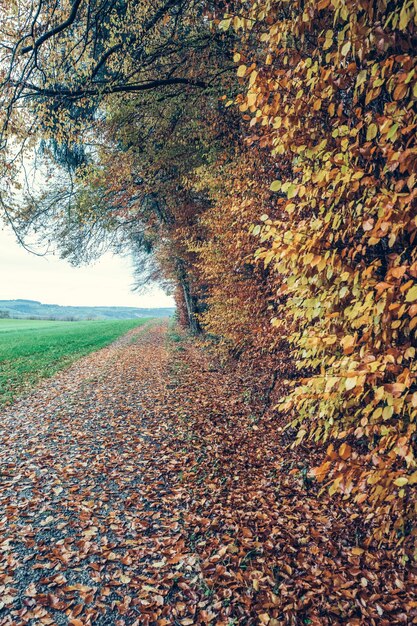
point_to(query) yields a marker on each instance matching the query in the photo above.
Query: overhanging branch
(54, 31)
(128, 88)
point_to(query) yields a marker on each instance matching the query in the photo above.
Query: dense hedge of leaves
(329, 87)
(238, 290)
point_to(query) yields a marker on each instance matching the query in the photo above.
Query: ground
(138, 487)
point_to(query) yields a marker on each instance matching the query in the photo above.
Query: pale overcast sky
(52, 281)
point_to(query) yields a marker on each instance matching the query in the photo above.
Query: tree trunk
(191, 308)
(190, 299)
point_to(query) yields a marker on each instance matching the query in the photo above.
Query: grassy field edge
(32, 350)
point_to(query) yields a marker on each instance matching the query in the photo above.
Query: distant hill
(34, 309)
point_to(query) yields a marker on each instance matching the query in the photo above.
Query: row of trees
(260, 159)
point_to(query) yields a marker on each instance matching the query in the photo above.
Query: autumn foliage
(278, 197)
(330, 91)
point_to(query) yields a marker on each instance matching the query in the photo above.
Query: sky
(50, 280)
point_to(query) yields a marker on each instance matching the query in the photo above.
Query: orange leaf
(345, 451)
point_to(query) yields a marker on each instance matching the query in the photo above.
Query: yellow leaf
(400, 482)
(253, 77)
(292, 191)
(405, 17)
(372, 131)
(348, 341)
(301, 434)
(411, 294)
(276, 185)
(351, 383)
(251, 99)
(225, 24)
(345, 48)
(241, 70)
(413, 478)
(361, 78)
(387, 412)
(392, 133)
(329, 40)
(237, 22)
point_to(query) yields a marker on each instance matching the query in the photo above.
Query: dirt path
(138, 488)
(74, 511)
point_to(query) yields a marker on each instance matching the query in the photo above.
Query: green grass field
(34, 349)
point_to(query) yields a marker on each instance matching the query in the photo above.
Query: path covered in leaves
(138, 487)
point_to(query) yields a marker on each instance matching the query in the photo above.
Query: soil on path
(138, 488)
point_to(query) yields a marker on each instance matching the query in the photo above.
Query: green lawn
(35, 349)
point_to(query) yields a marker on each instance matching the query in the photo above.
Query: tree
(114, 80)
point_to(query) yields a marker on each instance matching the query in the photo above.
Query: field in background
(35, 349)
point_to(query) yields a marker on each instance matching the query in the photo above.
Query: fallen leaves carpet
(138, 488)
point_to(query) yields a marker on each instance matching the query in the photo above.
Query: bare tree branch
(54, 31)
